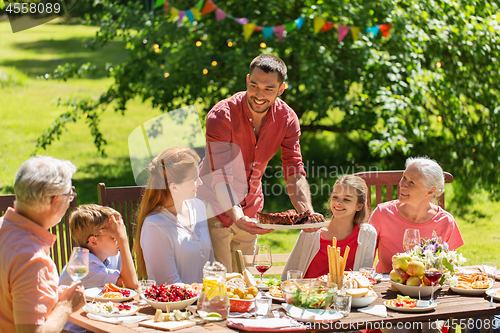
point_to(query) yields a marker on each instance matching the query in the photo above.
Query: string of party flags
(204, 7)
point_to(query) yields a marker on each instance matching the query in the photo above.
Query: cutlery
(491, 300)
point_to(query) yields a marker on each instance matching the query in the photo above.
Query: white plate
(491, 292)
(311, 315)
(91, 295)
(413, 291)
(470, 292)
(417, 309)
(133, 309)
(279, 299)
(289, 226)
(180, 305)
(359, 302)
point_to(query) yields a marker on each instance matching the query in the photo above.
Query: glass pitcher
(213, 297)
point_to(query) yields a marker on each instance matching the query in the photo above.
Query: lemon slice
(211, 289)
(213, 315)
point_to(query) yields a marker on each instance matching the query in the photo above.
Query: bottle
(213, 297)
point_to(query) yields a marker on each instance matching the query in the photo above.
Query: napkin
(280, 324)
(117, 320)
(376, 310)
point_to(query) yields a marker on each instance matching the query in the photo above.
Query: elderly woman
(172, 242)
(422, 182)
(30, 300)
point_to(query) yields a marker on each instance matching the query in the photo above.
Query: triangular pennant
(220, 14)
(199, 6)
(208, 7)
(181, 17)
(241, 21)
(190, 16)
(258, 28)
(174, 13)
(268, 32)
(196, 13)
(318, 23)
(158, 3)
(385, 29)
(327, 26)
(289, 26)
(278, 32)
(373, 30)
(342, 30)
(247, 30)
(299, 22)
(355, 33)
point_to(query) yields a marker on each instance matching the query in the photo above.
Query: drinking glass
(489, 269)
(294, 274)
(433, 272)
(263, 307)
(145, 285)
(411, 239)
(78, 264)
(343, 304)
(262, 259)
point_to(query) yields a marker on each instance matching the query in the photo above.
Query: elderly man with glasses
(30, 300)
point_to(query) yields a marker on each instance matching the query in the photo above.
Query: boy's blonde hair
(87, 220)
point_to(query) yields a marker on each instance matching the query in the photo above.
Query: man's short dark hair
(269, 63)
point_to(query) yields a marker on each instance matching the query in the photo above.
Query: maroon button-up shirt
(235, 156)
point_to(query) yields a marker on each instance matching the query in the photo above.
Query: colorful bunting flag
(327, 26)
(384, 29)
(355, 33)
(342, 30)
(268, 32)
(208, 7)
(220, 14)
(318, 24)
(196, 13)
(299, 22)
(373, 30)
(158, 3)
(247, 30)
(173, 13)
(290, 26)
(258, 28)
(278, 32)
(181, 17)
(241, 21)
(199, 5)
(190, 16)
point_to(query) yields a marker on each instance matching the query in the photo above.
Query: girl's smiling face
(344, 201)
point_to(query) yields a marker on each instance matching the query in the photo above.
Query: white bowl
(359, 302)
(413, 291)
(181, 305)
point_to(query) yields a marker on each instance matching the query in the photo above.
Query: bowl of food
(361, 297)
(241, 299)
(309, 293)
(414, 291)
(171, 297)
(241, 305)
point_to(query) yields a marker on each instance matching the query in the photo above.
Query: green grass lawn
(27, 110)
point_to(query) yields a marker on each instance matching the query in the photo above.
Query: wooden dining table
(454, 309)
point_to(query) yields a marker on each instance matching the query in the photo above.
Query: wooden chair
(63, 246)
(126, 201)
(246, 261)
(388, 179)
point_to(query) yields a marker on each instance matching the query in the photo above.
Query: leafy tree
(430, 88)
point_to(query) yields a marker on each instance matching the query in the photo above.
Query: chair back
(63, 246)
(246, 261)
(126, 201)
(388, 179)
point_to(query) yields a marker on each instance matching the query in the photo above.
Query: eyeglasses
(72, 195)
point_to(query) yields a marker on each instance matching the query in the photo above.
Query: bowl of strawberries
(177, 296)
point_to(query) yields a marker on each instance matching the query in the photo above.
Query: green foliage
(386, 98)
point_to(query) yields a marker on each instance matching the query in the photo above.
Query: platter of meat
(290, 220)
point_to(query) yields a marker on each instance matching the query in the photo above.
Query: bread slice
(357, 293)
(362, 281)
(249, 279)
(230, 276)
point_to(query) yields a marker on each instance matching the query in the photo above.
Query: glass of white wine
(78, 264)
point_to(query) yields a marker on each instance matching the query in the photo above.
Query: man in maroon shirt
(243, 133)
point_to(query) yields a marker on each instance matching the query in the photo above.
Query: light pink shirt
(28, 276)
(391, 227)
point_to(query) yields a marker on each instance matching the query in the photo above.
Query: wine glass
(78, 264)
(433, 272)
(262, 259)
(411, 239)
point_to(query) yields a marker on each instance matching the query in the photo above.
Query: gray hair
(40, 178)
(431, 172)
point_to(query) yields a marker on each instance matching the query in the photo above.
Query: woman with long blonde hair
(172, 223)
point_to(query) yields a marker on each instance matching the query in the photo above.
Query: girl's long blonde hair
(171, 165)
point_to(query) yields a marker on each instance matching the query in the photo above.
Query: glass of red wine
(262, 259)
(433, 272)
(411, 239)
